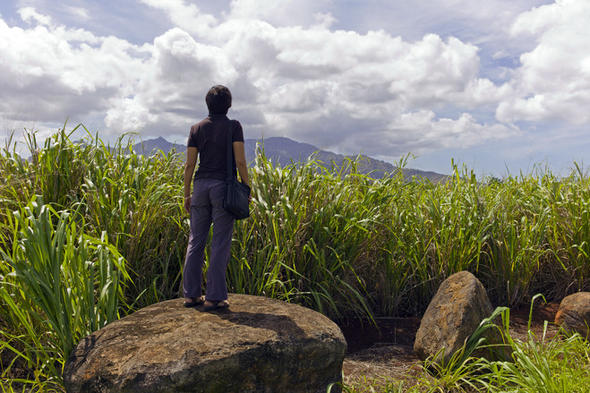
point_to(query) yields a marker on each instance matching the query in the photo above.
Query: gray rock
(259, 345)
(573, 314)
(454, 313)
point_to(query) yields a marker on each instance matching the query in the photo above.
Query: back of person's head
(218, 100)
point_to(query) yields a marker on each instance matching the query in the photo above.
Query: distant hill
(286, 151)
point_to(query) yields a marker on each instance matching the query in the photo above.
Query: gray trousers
(207, 208)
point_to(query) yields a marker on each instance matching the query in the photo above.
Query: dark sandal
(195, 302)
(223, 304)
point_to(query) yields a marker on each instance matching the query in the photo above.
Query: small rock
(454, 313)
(259, 345)
(574, 313)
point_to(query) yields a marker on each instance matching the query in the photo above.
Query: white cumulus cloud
(283, 13)
(51, 72)
(172, 89)
(30, 15)
(553, 81)
(185, 15)
(290, 73)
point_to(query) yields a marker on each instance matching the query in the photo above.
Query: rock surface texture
(574, 313)
(457, 309)
(259, 345)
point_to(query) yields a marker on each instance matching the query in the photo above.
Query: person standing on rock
(208, 140)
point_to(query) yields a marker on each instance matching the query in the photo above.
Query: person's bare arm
(189, 170)
(240, 156)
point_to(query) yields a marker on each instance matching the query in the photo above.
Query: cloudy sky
(500, 85)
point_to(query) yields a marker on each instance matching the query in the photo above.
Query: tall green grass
(332, 239)
(134, 200)
(58, 285)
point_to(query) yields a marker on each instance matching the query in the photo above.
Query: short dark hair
(218, 100)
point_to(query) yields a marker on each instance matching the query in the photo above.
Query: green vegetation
(89, 233)
(537, 365)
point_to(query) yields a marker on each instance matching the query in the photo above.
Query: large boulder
(574, 313)
(454, 313)
(258, 345)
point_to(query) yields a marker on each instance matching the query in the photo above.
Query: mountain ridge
(285, 151)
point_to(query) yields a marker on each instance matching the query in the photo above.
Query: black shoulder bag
(237, 194)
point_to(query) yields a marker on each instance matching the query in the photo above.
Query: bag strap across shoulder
(229, 156)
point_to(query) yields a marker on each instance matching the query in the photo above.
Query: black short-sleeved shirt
(209, 136)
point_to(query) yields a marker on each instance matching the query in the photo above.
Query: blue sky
(502, 85)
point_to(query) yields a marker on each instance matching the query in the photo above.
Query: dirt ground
(386, 353)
